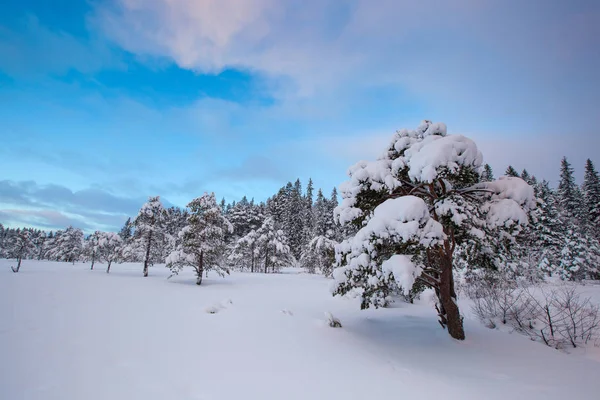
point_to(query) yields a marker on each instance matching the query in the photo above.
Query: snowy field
(68, 333)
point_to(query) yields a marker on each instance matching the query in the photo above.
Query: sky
(106, 102)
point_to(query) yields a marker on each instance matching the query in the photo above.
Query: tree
(487, 175)
(413, 207)
(591, 196)
(126, 230)
(526, 177)
(90, 247)
(149, 230)
(18, 246)
(308, 215)
(568, 192)
(510, 171)
(245, 251)
(272, 246)
(547, 231)
(67, 245)
(109, 247)
(203, 239)
(319, 253)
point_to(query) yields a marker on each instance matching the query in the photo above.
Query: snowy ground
(68, 333)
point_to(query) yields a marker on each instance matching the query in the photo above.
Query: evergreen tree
(414, 207)
(109, 248)
(568, 192)
(126, 230)
(548, 231)
(18, 246)
(510, 171)
(294, 224)
(526, 177)
(244, 253)
(319, 254)
(67, 245)
(272, 246)
(149, 232)
(487, 175)
(591, 196)
(308, 215)
(90, 247)
(203, 239)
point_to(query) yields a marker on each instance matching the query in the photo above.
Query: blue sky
(103, 103)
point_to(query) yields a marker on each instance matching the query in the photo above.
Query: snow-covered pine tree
(527, 177)
(547, 230)
(487, 175)
(149, 232)
(90, 248)
(591, 196)
(511, 171)
(239, 217)
(294, 224)
(568, 192)
(67, 245)
(574, 256)
(175, 221)
(202, 240)
(18, 246)
(126, 231)
(413, 206)
(308, 216)
(244, 252)
(319, 253)
(109, 248)
(40, 243)
(272, 246)
(321, 214)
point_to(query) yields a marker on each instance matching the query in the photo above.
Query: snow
(425, 158)
(68, 333)
(405, 272)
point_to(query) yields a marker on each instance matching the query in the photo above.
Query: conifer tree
(413, 207)
(203, 239)
(109, 248)
(149, 232)
(67, 245)
(591, 196)
(568, 192)
(510, 171)
(272, 246)
(526, 177)
(18, 245)
(487, 175)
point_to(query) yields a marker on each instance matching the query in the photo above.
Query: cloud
(44, 219)
(55, 206)
(446, 50)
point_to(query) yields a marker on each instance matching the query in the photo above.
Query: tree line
(292, 227)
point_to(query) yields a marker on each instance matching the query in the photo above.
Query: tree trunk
(448, 307)
(200, 269)
(252, 260)
(108, 268)
(267, 260)
(147, 258)
(18, 265)
(93, 260)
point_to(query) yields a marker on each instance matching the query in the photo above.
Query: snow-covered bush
(557, 317)
(413, 207)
